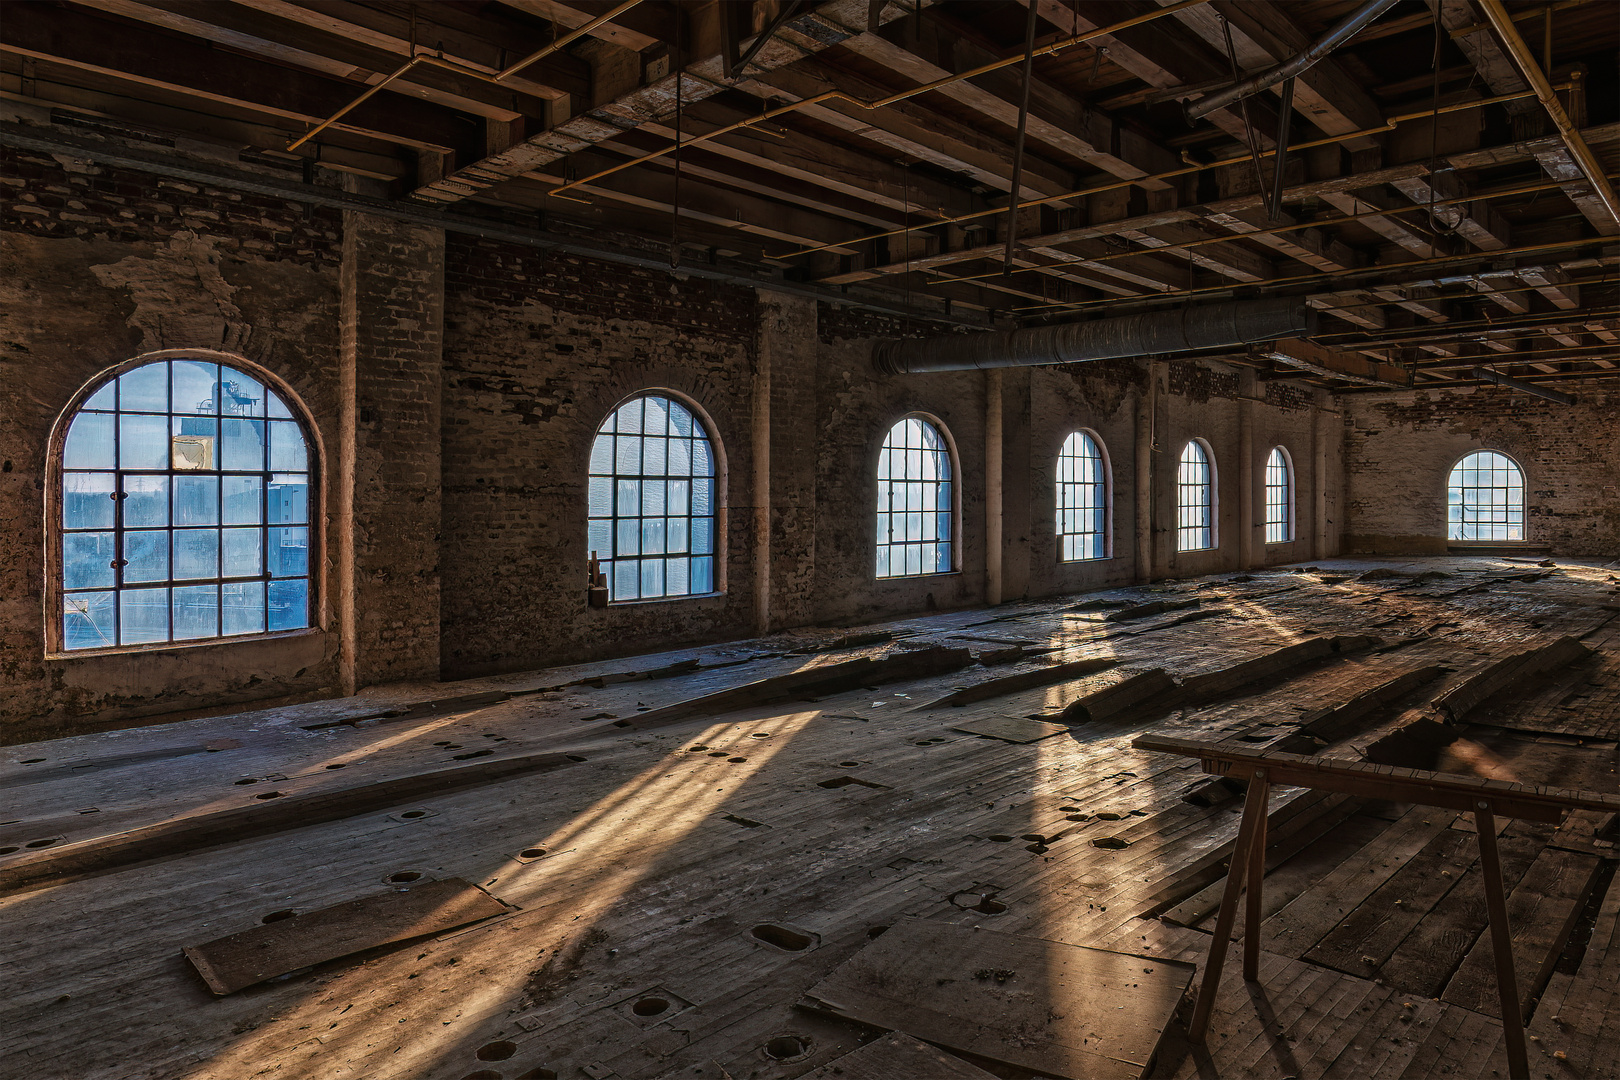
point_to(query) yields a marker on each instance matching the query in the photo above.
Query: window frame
(1213, 505)
(1524, 499)
(1106, 482)
(719, 513)
(954, 480)
(1290, 497)
(53, 532)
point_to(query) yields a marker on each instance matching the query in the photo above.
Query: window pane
(287, 552)
(678, 576)
(601, 539)
(196, 612)
(652, 497)
(275, 406)
(680, 496)
(627, 458)
(145, 389)
(655, 420)
(242, 608)
(629, 498)
(243, 395)
(87, 621)
(196, 553)
(702, 575)
(655, 457)
(87, 501)
(600, 497)
(143, 442)
(652, 577)
(680, 457)
(675, 536)
(629, 538)
(626, 580)
(241, 445)
(87, 560)
(287, 450)
(652, 536)
(630, 417)
(105, 398)
(681, 420)
(89, 442)
(702, 535)
(243, 499)
(702, 501)
(194, 443)
(146, 556)
(289, 499)
(242, 553)
(602, 454)
(196, 386)
(196, 500)
(289, 605)
(146, 501)
(143, 616)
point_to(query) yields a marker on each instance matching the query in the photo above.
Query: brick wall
(1400, 448)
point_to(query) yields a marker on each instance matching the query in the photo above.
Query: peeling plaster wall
(98, 267)
(1401, 447)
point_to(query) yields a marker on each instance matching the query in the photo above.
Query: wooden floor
(643, 868)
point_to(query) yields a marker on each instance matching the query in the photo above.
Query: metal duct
(1487, 375)
(1214, 326)
(1335, 37)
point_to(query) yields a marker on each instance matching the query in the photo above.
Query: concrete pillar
(387, 491)
(993, 479)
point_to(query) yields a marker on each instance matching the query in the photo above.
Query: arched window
(1485, 498)
(1082, 499)
(186, 509)
(1279, 497)
(652, 500)
(915, 502)
(1195, 499)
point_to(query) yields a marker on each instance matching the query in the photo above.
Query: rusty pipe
(1212, 326)
(1526, 63)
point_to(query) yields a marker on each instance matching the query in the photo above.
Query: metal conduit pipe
(1335, 37)
(1213, 326)
(1487, 375)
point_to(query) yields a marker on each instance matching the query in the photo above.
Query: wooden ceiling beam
(805, 35)
(634, 30)
(236, 27)
(181, 65)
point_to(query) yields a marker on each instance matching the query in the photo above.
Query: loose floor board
(1064, 1010)
(1016, 729)
(229, 963)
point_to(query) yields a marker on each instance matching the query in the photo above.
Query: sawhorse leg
(1248, 861)
(1507, 984)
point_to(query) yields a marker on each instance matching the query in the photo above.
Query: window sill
(1082, 562)
(918, 577)
(177, 646)
(661, 600)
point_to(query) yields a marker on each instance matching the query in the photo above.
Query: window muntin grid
(1195, 524)
(915, 504)
(185, 495)
(651, 499)
(1082, 500)
(1279, 498)
(1485, 498)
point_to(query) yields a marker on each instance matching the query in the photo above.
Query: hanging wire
(675, 198)
(1248, 127)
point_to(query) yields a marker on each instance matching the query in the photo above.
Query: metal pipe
(1212, 326)
(1487, 375)
(1335, 37)
(565, 40)
(1526, 63)
(1285, 111)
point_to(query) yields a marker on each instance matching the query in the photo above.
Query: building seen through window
(916, 506)
(1485, 498)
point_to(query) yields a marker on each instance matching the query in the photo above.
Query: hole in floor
(532, 852)
(1112, 842)
(650, 1006)
(475, 753)
(277, 916)
(577, 757)
(408, 875)
(248, 780)
(1039, 849)
(988, 906)
(497, 1051)
(483, 1074)
(875, 932)
(268, 795)
(696, 749)
(849, 764)
(41, 843)
(847, 781)
(737, 760)
(414, 814)
(787, 1047)
(760, 735)
(9, 850)
(445, 743)
(1000, 838)
(717, 753)
(782, 937)
(747, 823)
(31, 760)
(339, 766)
(1034, 837)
